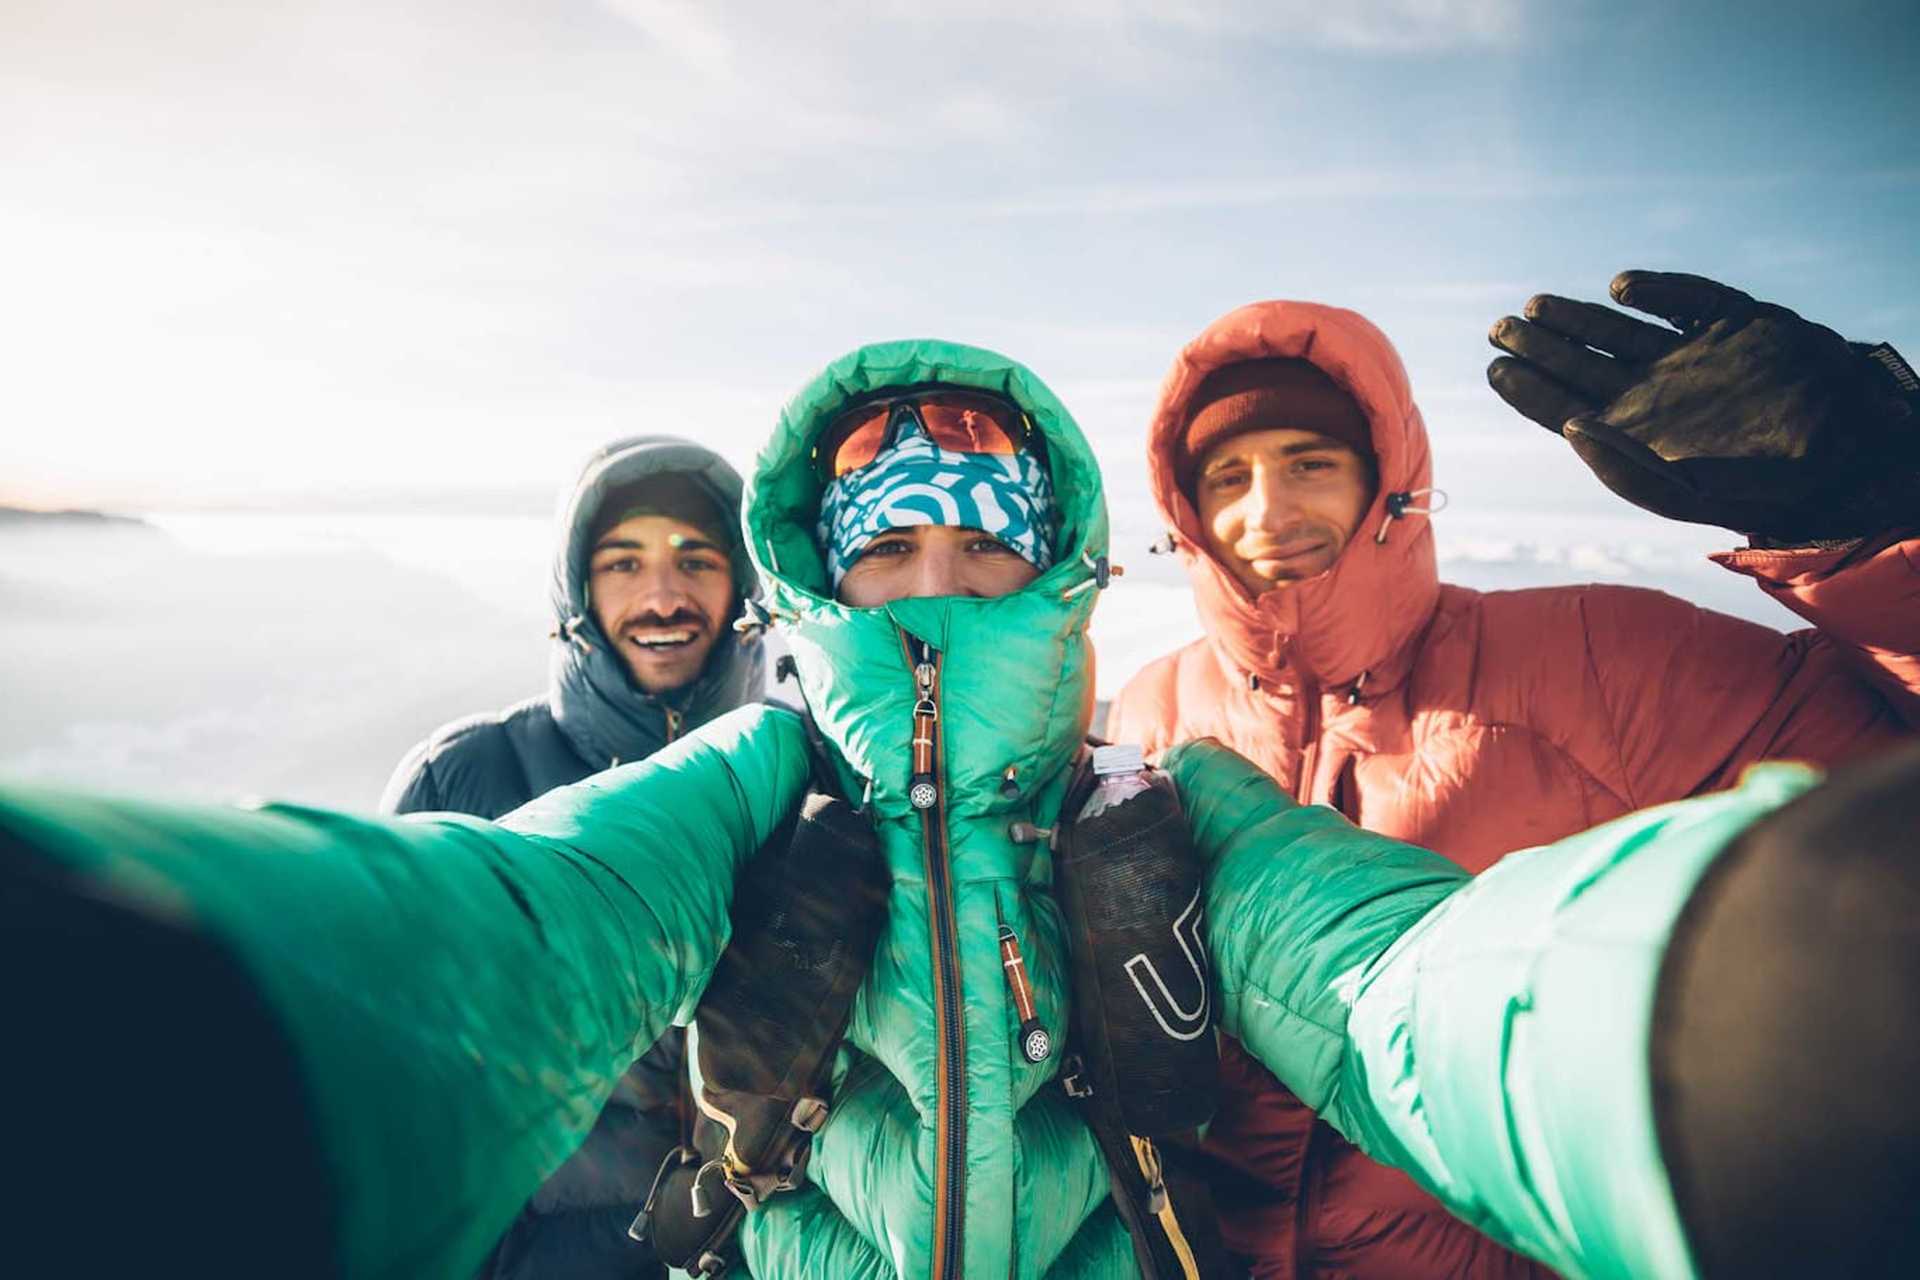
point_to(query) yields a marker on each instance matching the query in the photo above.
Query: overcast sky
(346, 250)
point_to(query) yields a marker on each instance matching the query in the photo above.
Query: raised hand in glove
(1742, 415)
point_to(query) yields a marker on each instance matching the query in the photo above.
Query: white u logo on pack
(1181, 1024)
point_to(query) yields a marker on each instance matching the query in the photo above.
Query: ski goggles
(960, 421)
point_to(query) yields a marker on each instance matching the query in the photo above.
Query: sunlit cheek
(1226, 524)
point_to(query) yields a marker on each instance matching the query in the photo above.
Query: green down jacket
(462, 996)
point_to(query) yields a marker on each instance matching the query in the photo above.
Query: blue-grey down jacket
(591, 717)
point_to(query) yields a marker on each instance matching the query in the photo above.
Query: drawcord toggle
(1103, 574)
(1028, 833)
(571, 630)
(1400, 503)
(755, 617)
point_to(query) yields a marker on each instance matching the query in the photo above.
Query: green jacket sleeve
(1489, 1036)
(1300, 904)
(460, 996)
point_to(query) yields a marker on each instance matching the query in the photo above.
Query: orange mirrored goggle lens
(953, 419)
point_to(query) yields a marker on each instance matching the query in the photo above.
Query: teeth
(663, 639)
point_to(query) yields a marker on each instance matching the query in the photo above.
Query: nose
(937, 571)
(660, 589)
(1270, 499)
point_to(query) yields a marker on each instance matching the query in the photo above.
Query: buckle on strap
(1073, 1077)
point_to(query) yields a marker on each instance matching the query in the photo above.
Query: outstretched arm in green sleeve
(1489, 1036)
(457, 998)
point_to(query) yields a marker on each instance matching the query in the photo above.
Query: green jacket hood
(1017, 684)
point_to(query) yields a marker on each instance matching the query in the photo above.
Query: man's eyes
(689, 565)
(990, 545)
(1227, 479)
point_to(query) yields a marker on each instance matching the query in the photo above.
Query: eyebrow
(1319, 444)
(678, 544)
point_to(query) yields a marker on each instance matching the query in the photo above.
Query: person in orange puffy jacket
(1292, 467)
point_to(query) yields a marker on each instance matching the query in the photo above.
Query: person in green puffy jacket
(452, 1000)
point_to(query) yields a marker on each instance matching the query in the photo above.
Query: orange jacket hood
(1357, 618)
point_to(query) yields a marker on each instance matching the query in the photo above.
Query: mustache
(685, 616)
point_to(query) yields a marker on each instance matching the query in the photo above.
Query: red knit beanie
(1259, 395)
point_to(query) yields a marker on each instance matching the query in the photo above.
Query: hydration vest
(1141, 1066)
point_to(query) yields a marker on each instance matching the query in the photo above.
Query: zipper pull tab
(923, 791)
(1035, 1043)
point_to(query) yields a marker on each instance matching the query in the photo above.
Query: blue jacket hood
(604, 715)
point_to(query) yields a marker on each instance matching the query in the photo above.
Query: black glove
(807, 913)
(1748, 417)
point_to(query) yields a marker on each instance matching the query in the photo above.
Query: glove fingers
(1534, 395)
(1684, 301)
(1593, 325)
(1577, 367)
(1635, 472)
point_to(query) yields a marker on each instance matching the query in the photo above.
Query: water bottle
(1131, 889)
(1121, 773)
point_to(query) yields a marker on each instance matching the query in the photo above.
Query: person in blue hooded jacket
(648, 577)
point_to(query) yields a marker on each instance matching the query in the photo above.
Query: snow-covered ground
(297, 656)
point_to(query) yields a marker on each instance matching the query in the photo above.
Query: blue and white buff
(914, 481)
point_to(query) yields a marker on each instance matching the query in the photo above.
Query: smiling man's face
(661, 592)
(1279, 505)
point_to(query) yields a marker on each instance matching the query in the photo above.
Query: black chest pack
(1142, 1061)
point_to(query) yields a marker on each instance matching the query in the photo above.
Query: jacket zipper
(1309, 693)
(674, 721)
(926, 794)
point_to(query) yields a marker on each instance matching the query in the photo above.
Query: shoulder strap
(807, 914)
(826, 779)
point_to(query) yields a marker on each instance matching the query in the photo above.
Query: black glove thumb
(1634, 471)
(1762, 496)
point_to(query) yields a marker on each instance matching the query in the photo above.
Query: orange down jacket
(1474, 723)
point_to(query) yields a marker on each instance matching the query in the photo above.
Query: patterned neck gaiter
(914, 481)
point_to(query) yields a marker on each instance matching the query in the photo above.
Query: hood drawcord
(1353, 694)
(755, 617)
(570, 631)
(1400, 503)
(1103, 573)
(1164, 545)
